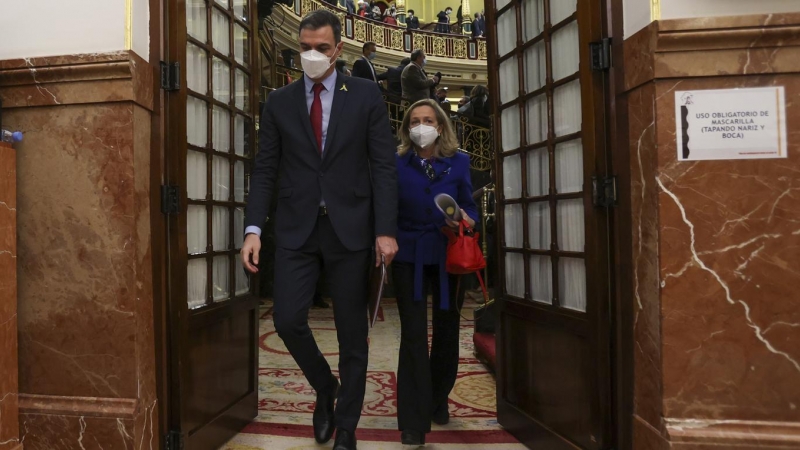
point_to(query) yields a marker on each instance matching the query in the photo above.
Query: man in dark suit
(363, 67)
(394, 77)
(337, 197)
(478, 26)
(412, 21)
(416, 83)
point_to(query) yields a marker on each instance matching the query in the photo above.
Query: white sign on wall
(731, 124)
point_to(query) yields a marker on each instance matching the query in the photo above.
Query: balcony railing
(398, 38)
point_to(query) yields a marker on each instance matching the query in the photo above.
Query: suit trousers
(424, 382)
(346, 273)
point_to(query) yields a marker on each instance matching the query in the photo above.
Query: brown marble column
(86, 343)
(9, 411)
(716, 245)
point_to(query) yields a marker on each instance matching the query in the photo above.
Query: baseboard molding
(733, 433)
(116, 408)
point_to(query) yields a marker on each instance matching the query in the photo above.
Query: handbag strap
(483, 288)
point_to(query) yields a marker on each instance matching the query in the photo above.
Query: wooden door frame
(620, 221)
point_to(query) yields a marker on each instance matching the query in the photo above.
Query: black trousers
(346, 272)
(424, 382)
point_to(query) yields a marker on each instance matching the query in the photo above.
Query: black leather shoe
(323, 413)
(345, 440)
(441, 415)
(411, 437)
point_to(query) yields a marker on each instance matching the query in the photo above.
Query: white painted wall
(34, 28)
(679, 9)
(635, 16)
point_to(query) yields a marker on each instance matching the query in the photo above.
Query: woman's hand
(463, 216)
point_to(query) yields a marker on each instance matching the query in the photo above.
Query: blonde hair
(446, 143)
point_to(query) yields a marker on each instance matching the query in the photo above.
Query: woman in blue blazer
(428, 163)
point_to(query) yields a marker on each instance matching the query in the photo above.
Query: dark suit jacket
(416, 84)
(361, 69)
(413, 23)
(478, 28)
(356, 174)
(394, 75)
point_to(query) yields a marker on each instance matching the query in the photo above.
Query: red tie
(316, 115)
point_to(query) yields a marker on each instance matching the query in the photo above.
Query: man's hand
(251, 247)
(386, 246)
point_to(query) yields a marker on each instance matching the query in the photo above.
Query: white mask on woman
(423, 135)
(314, 63)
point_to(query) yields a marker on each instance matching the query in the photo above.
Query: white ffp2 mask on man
(314, 63)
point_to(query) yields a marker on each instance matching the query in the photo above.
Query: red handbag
(464, 254)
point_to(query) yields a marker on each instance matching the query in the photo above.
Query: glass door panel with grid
(552, 240)
(210, 144)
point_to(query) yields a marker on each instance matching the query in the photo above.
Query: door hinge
(170, 200)
(604, 191)
(170, 76)
(601, 54)
(173, 440)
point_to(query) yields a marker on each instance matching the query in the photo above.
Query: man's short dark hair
(367, 45)
(411, 11)
(405, 61)
(416, 54)
(477, 15)
(322, 18)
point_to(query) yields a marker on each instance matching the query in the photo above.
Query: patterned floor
(287, 401)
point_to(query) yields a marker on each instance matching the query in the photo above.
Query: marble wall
(716, 245)
(9, 411)
(86, 340)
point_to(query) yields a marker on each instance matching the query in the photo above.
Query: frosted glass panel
(196, 19)
(221, 129)
(196, 283)
(238, 228)
(242, 90)
(532, 18)
(567, 108)
(538, 172)
(509, 122)
(196, 229)
(224, 3)
(537, 119)
(541, 279)
(239, 130)
(196, 178)
(241, 9)
(512, 177)
(535, 67)
(571, 236)
(242, 280)
(241, 47)
(513, 223)
(507, 31)
(561, 9)
(221, 229)
(539, 225)
(569, 166)
(196, 121)
(572, 283)
(219, 32)
(221, 273)
(515, 275)
(238, 181)
(196, 69)
(501, 3)
(222, 80)
(221, 179)
(566, 46)
(509, 80)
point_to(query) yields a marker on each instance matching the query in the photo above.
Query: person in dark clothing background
(441, 98)
(478, 26)
(479, 107)
(443, 25)
(393, 76)
(412, 21)
(363, 67)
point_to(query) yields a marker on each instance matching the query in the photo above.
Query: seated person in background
(462, 104)
(362, 9)
(390, 16)
(441, 97)
(412, 21)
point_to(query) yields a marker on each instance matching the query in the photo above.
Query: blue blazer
(419, 222)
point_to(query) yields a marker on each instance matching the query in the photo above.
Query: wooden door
(553, 332)
(213, 323)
